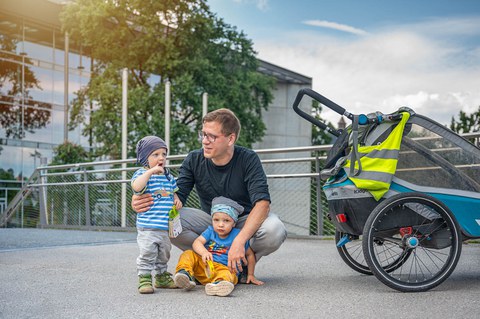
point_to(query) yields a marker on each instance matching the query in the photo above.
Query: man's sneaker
(184, 280)
(242, 276)
(164, 280)
(145, 284)
(222, 288)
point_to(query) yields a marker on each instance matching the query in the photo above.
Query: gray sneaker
(183, 280)
(222, 288)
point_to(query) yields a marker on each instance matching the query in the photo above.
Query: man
(222, 168)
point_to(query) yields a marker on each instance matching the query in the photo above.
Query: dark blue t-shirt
(242, 179)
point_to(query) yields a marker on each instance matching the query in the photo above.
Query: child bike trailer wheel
(350, 250)
(419, 234)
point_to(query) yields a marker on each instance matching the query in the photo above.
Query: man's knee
(185, 240)
(269, 237)
(272, 228)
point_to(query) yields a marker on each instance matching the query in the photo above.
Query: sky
(371, 55)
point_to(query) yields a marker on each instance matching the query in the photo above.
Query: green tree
(179, 41)
(7, 174)
(69, 153)
(319, 136)
(466, 122)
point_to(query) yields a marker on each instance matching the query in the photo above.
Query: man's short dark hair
(228, 120)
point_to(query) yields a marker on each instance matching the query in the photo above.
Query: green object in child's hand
(174, 224)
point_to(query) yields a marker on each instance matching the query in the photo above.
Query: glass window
(58, 87)
(10, 117)
(11, 159)
(43, 90)
(57, 126)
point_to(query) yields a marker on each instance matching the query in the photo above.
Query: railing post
(43, 195)
(168, 106)
(204, 104)
(124, 145)
(87, 199)
(319, 197)
(65, 89)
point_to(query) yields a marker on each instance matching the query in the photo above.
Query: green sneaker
(221, 288)
(145, 284)
(164, 280)
(184, 280)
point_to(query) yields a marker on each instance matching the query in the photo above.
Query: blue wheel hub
(412, 242)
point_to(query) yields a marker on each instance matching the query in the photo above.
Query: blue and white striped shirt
(162, 189)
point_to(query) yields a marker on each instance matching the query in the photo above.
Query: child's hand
(207, 256)
(157, 170)
(178, 203)
(252, 280)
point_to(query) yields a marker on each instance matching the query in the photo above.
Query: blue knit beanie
(147, 146)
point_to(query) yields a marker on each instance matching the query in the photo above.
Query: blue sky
(371, 55)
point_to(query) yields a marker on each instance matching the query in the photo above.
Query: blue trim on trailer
(465, 209)
(333, 184)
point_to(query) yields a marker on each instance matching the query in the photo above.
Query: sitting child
(212, 247)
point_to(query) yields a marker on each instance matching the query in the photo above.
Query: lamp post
(36, 154)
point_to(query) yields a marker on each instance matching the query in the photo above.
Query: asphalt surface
(87, 274)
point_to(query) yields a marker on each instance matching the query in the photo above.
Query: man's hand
(252, 280)
(236, 255)
(142, 203)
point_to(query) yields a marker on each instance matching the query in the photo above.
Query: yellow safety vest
(378, 163)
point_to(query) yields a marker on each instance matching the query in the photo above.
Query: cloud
(335, 26)
(436, 74)
(262, 5)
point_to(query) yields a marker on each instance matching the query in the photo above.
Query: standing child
(212, 247)
(152, 225)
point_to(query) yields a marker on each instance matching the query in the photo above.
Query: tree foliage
(319, 136)
(69, 153)
(179, 41)
(466, 122)
(7, 174)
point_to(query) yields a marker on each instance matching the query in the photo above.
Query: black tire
(352, 253)
(417, 231)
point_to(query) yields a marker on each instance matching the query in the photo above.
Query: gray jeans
(268, 238)
(155, 249)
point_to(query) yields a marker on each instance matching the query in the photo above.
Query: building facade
(37, 84)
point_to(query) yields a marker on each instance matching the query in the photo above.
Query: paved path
(80, 274)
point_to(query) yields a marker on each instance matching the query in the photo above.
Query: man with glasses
(222, 168)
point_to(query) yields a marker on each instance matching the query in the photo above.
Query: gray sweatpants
(155, 246)
(268, 238)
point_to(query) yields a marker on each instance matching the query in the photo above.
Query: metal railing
(88, 195)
